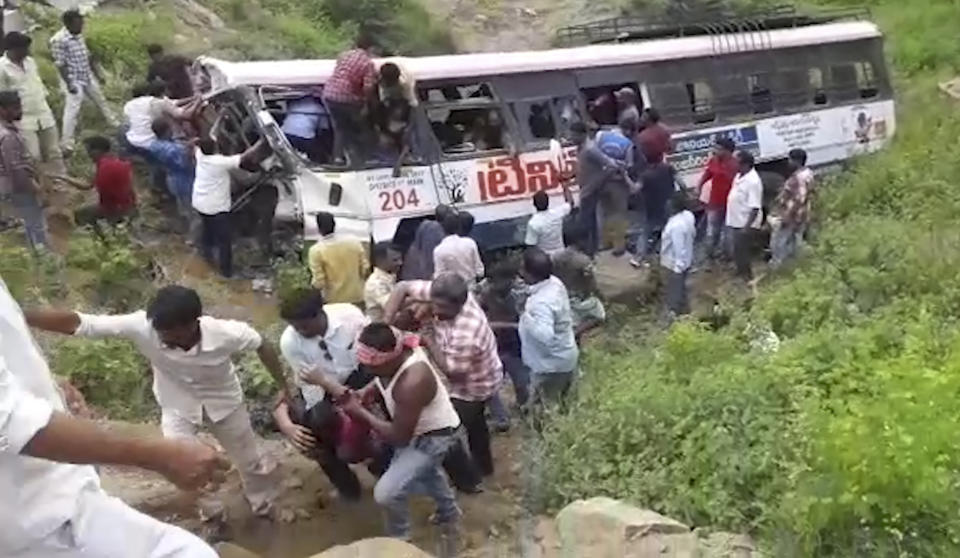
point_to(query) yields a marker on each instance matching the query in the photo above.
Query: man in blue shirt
(176, 159)
(547, 342)
(305, 119)
(617, 144)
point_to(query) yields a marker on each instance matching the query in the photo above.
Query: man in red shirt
(347, 95)
(654, 138)
(721, 170)
(113, 182)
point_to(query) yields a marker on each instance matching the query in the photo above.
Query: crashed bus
(817, 83)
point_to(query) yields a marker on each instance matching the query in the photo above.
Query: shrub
(120, 270)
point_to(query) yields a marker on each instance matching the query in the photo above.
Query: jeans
(217, 235)
(717, 233)
(473, 416)
(677, 297)
(28, 209)
(783, 243)
(742, 245)
(73, 102)
(351, 132)
(589, 222)
(520, 378)
(416, 469)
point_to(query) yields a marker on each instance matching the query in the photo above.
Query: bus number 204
(398, 200)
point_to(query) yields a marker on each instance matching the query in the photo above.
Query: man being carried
(457, 254)
(194, 379)
(339, 264)
(380, 284)
(545, 227)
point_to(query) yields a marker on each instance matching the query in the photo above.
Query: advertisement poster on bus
(691, 151)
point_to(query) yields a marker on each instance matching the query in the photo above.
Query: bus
(817, 83)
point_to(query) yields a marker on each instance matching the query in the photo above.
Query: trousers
(235, 433)
(783, 243)
(217, 236)
(742, 245)
(44, 147)
(108, 528)
(28, 209)
(72, 104)
(473, 416)
(613, 202)
(352, 136)
(677, 297)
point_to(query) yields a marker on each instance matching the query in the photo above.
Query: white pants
(105, 527)
(259, 473)
(72, 105)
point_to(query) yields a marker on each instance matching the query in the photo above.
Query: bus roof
(316, 72)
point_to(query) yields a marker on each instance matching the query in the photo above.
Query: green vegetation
(842, 443)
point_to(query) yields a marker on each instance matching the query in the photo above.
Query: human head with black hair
(326, 224)
(11, 110)
(157, 89)
(162, 128)
(17, 46)
(541, 201)
(651, 116)
(303, 310)
(175, 314)
(97, 147)
(386, 257)
(628, 124)
(140, 89)
(442, 211)
(73, 21)
(466, 223)
(155, 51)
(579, 133)
(451, 223)
(724, 148)
(448, 294)
(382, 337)
(207, 145)
(537, 266)
(797, 158)
(678, 203)
(389, 74)
(746, 160)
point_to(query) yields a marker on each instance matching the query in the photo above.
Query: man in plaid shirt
(347, 95)
(18, 177)
(80, 77)
(462, 345)
(792, 211)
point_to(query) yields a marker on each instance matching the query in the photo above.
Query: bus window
(459, 92)
(866, 80)
(469, 130)
(567, 110)
(792, 88)
(843, 82)
(602, 102)
(701, 102)
(816, 86)
(760, 97)
(535, 119)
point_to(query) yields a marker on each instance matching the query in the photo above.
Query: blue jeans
(717, 234)
(416, 469)
(29, 210)
(520, 378)
(783, 243)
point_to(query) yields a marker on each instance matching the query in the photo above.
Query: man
(113, 182)
(377, 289)
(654, 138)
(148, 104)
(676, 253)
(176, 161)
(628, 104)
(743, 212)
(302, 123)
(194, 379)
(320, 339)
(338, 263)
(545, 227)
(80, 76)
(792, 209)
(53, 503)
(593, 169)
(422, 427)
(172, 70)
(547, 340)
(576, 270)
(459, 340)
(618, 145)
(211, 196)
(418, 263)
(18, 178)
(396, 83)
(721, 170)
(457, 254)
(659, 183)
(18, 72)
(347, 94)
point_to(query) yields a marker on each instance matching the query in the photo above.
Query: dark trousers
(351, 132)
(677, 297)
(742, 244)
(218, 236)
(588, 222)
(473, 416)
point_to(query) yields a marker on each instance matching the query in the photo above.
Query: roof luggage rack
(713, 18)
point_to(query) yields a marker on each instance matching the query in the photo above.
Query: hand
(192, 465)
(300, 436)
(313, 376)
(72, 88)
(351, 403)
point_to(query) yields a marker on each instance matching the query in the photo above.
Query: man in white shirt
(53, 504)
(676, 253)
(743, 212)
(147, 105)
(379, 286)
(194, 379)
(545, 228)
(211, 196)
(320, 338)
(457, 254)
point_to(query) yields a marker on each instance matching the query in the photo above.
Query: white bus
(821, 85)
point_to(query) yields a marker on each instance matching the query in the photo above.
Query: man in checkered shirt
(460, 342)
(347, 95)
(80, 77)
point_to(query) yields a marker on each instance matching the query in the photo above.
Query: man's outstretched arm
(56, 321)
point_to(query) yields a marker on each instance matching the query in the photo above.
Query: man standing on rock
(53, 504)
(194, 379)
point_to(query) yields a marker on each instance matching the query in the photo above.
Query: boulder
(607, 528)
(725, 545)
(374, 548)
(230, 550)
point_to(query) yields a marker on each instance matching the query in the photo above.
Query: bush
(120, 271)
(119, 39)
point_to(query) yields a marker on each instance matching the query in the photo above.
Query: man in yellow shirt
(339, 264)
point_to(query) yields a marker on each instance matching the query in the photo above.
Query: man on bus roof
(348, 94)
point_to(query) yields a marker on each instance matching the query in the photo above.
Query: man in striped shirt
(347, 95)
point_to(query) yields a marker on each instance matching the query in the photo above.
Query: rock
(374, 548)
(725, 545)
(529, 12)
(606, 528)
(304, 515)
(230, 550)
(481, 19)
(286, 516)
(293, 483)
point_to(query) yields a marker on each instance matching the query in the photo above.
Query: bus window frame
(510, 127)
